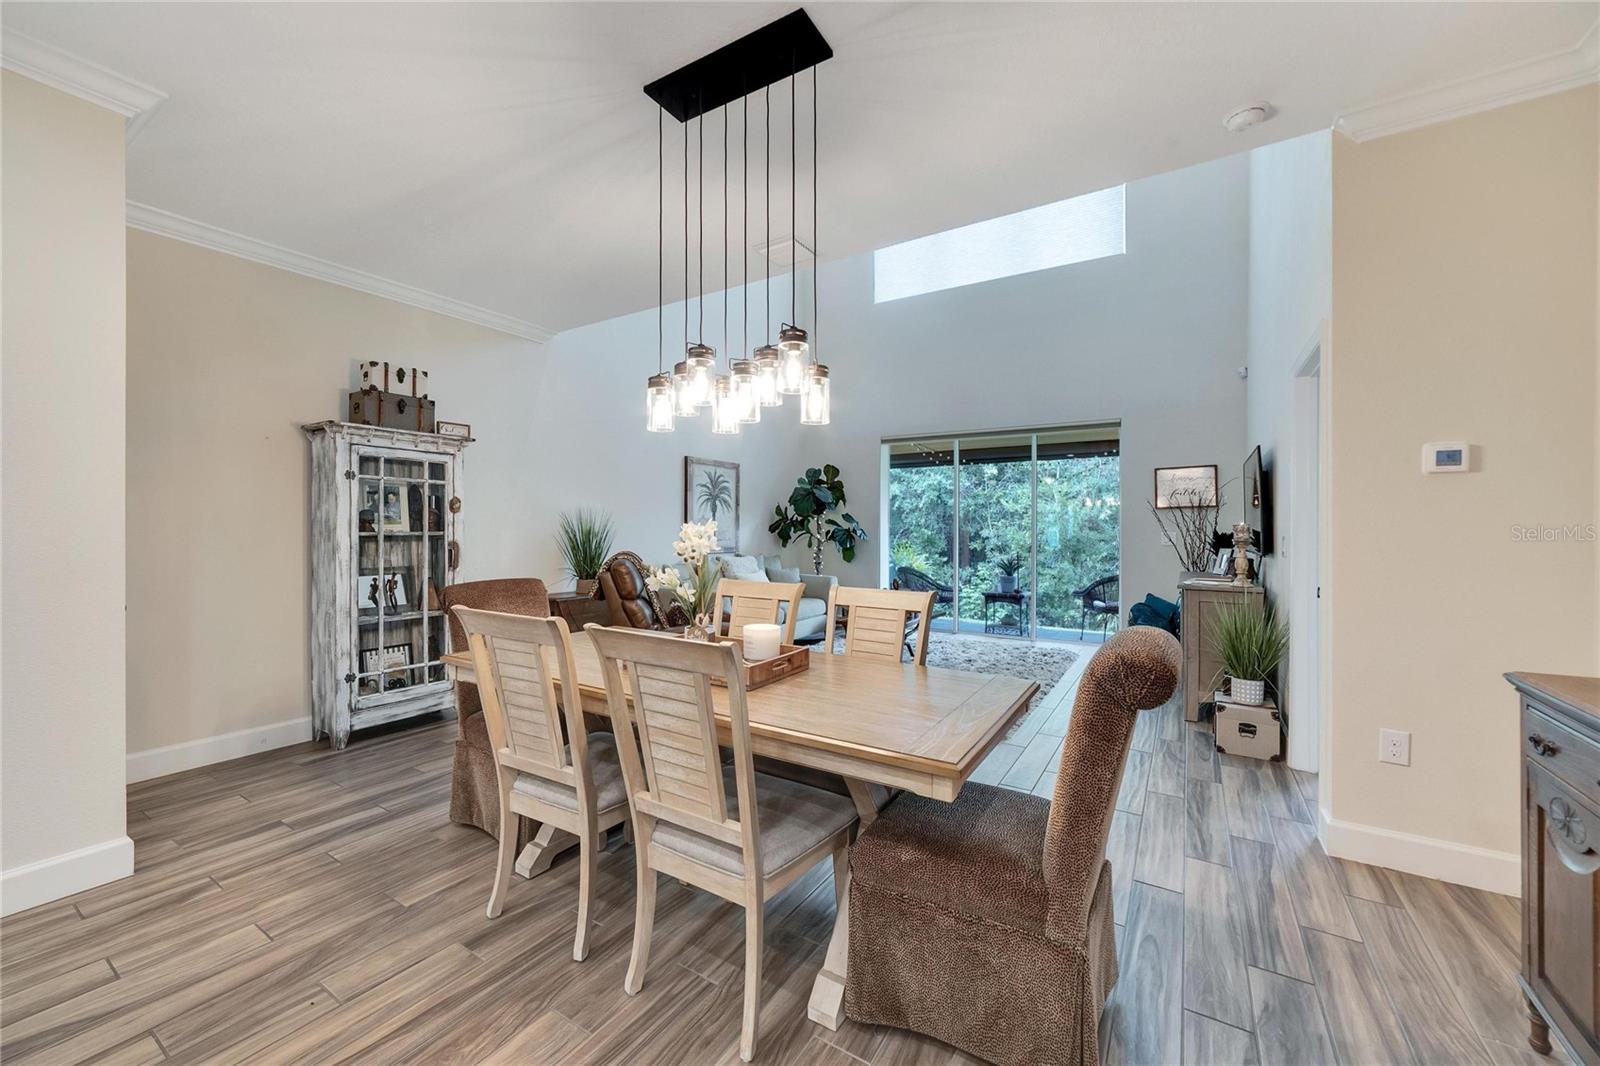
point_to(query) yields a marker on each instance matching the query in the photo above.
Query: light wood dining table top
(922, 728)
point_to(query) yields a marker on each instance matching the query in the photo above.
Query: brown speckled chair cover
(474, 785)
(987, 922)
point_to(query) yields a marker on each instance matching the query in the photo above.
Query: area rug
(1044, 663)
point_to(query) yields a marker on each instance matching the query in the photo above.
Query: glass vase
(699, 629)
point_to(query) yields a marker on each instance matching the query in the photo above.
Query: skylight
(1068, 231)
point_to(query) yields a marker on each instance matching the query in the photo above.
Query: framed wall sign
(453, 429)
(1185, 486)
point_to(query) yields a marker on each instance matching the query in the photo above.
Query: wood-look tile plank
(1433, 1018)
(1143, 1019)
(1208, 1042)
(1200, 760)
(1214, 980)
(1361, 1020)
(1289, 1026)
(143, 1051)
(1166, 768)
(31, 999)
(1038, 757)
(1160, 856)
(1046, 787)
(1135, 779)
(1367, 882)
(1244, 803)
(997, 765)
(1122, 849)
(1319, 900)
(1205, 827)
(1271, 931)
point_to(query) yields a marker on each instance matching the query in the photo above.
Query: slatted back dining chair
(758, 601)
(741, 835)
(877, 622)
(550, 769)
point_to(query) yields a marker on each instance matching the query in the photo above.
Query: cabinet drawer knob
(1541, 746)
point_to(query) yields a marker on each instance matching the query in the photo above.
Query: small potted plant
(585, 539)
(1006, 580)
(695, 545)
(1250, 644)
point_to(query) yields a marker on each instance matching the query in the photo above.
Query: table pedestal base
(542, 850)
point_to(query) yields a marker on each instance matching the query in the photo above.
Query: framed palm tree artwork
(711, 494)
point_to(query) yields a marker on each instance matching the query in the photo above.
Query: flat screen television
(1257, 487)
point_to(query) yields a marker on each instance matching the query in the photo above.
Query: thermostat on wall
(1446, 457)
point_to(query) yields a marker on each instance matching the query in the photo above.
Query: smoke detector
(1248, 115)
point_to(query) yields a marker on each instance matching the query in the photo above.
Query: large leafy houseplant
(817, 495)
(585, 540)
(1250, 644)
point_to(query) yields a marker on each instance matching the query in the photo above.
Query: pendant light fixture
(658, 387)
(767, 357)
(742, 372)
(817, 396)
(736, 397)
(791, 338)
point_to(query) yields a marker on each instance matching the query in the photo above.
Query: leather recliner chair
(632, 602)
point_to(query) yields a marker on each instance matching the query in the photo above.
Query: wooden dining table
(880, 726)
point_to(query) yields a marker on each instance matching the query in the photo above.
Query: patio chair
(1099, 598)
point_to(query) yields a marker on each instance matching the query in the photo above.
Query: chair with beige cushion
(574, 782)
(987, 922)
(748, 602)
(474, 778)
(727, 829)
(878, 622)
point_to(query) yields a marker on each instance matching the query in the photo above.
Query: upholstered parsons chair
(987, 922)
(475, 778)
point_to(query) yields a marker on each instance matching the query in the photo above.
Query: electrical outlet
(1394, 746)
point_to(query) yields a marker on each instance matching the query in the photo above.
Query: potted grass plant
(1250, 644)
(585, 540)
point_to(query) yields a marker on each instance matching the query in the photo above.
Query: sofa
(811, 617)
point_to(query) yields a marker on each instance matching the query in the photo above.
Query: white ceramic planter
(1250, 692)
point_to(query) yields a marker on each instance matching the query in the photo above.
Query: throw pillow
(742, 568)
(787, 575)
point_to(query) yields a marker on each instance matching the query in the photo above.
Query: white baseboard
(62, 875)
(1443, 860)
(159, 762)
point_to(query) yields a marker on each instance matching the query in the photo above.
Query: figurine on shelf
(1241, 557)
(391, 599)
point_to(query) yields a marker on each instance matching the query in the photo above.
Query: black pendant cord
(744, 237)
(794, 181)
(661, 238)
(686, 236)
(700, 226)
(767, 253)
(727, 356)
(816, 252)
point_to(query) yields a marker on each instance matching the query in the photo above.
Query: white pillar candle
(760, 641)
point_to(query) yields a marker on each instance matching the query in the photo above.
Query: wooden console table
(1201, 601)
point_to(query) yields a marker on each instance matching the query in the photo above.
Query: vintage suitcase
(374, 407)
(1254, 732)
(400, 380)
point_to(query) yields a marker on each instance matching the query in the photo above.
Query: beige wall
(226, 360)
(1464, 287)
(61, 496)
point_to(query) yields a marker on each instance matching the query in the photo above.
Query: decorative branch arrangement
(1190, 525)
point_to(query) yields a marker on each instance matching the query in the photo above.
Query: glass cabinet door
(400, 566)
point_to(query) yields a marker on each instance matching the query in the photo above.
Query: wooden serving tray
(791, 659)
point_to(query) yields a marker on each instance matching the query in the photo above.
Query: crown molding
(166, 224)
(133, 100)
(1552, 73)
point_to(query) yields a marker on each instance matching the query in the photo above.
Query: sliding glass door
(1016, 532)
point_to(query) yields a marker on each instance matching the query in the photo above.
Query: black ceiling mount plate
(758, 59)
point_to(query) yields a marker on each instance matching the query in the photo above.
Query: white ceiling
(503, 154)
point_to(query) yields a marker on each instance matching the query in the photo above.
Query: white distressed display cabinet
(385, 539)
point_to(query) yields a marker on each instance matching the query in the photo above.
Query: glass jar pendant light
(792, 359)
(767, 360)
(724, 412)
(815, 397)
(742, 374)
(682, 397)
(698, 362)
(660, 395)
(659, 406)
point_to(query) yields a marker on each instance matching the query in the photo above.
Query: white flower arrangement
(695, 545)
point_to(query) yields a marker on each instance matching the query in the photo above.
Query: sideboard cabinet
(1202, 600)
(1560, 741)
(385, 538)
